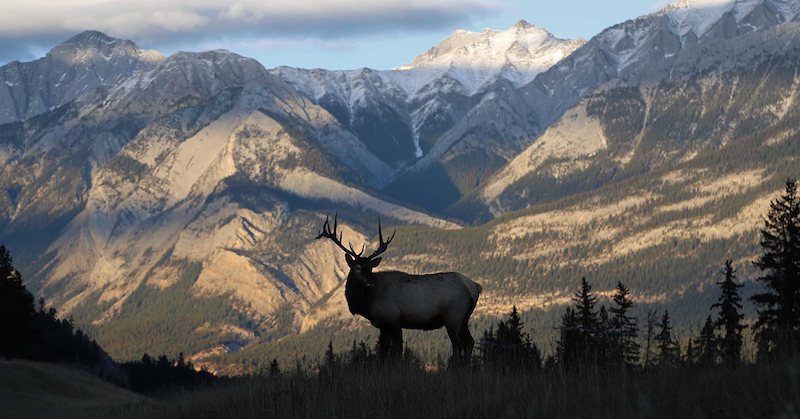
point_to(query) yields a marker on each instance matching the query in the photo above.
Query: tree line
(34, 332)
(589, 336)
(599, 337)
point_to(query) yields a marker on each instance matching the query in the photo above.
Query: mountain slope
(409, 113)
(678, 41)
(157, 190)
(175, 209)
(79, 65)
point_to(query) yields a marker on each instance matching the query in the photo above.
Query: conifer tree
(17, 311)
(569, 341)
(274, 369)
(707, 344)
(691, 354)
(580, 330)
(730, 317)
(624, 326)
(329, 358)
(510, 346)
(668, 351)
(603, 338)
(779, 316)
(604, 324)
(584, 307)
(650, 320)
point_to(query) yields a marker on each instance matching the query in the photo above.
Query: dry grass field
(47, 390)
(401, 392)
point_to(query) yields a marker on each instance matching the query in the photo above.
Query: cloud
(185, 22)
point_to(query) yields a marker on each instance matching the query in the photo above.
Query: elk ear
(375, 262)
(350, 261)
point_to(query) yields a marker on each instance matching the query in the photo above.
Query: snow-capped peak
(475, 59)
(490, 47)
(94, 45)
(698, 16)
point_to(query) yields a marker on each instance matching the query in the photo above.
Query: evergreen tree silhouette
(604, 340)
(708, 343)
(691, 354)
(779, 316)
(604, 319)
(650, 322)
(568, 344)
(580, 343)
(584, 307)
(274, 369)
(17, 311)
(510, 347)
(625, 327)
(668, 351)
(730, 318)
(588, 350)
(329, 363)
(330, 357)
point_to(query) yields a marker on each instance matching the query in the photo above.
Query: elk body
(393, 301)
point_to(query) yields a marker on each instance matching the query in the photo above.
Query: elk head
(360, 266)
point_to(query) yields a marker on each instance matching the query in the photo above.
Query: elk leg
(384, 342)
(397, 343)
(468, 343)
(452, 332)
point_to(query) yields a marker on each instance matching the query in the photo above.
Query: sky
(332, 34)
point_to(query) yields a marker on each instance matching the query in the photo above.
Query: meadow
(403, 391)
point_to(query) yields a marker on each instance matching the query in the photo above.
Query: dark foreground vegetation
(606, 364)
(35, 333)
(752, 391)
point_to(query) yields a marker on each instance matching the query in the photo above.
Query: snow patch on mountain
(472, 59)
(698, 16)
(517, 54)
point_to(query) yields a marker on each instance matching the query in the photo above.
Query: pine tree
(707, 344)
(668, 351)
(603, 338)
(605, 321)
(329, 358)
(779, 317)
(17, 311)
(650, 320)
(510, 346)
(580, 330)
(584, 307)
(568, 344)
(730, 317)
(691, 354)
(624, 327)
(274, 369)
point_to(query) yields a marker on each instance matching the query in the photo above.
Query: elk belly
(421, 322)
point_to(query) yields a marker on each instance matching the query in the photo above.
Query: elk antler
(326, 232)
(384, 244)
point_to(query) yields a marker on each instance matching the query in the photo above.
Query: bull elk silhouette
(393, 301)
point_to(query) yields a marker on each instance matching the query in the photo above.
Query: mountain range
(170, 203)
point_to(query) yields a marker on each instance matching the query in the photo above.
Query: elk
(393, 301)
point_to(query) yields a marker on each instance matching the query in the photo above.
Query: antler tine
(363, 246)
(383, 244)
(331, 234)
